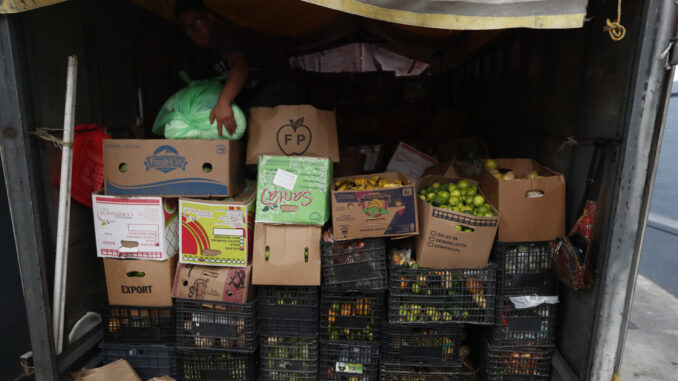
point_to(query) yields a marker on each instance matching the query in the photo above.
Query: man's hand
(223, 114)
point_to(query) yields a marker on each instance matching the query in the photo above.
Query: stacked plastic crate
(352, 308)
(288, 319)
(522, 340)
(144, 336)
(427, 311)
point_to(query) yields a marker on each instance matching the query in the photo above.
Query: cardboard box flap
(116, 371)
(292, 130)
(287, 255)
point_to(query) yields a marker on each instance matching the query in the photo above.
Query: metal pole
(64, 218)
(19, 168)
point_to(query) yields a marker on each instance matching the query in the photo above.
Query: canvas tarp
(468, 14)
(16, 6)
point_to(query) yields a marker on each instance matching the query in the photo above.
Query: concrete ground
(651, 349)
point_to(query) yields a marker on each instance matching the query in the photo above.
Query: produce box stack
(447, 286)
(531, 201)
(365, 210)
(146, 215)
(292, 206)
(216, 306)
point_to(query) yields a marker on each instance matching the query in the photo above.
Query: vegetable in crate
(460, 197)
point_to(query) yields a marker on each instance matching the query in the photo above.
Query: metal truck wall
(120, 49)
(549, 96)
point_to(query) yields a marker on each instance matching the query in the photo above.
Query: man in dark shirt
(246, 56)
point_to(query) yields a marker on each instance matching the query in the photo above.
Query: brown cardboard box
(440, 245)
(280, 255)
(375, 213)
(218, 284)
(298, 130)
(160, 167)
(526, 218)
(116, 371)
(446, 168)
(138, 282)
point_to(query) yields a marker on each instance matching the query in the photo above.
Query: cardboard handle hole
(375, 221)
(211, 253)
(289, 208)
(207, 167)
(306, 254)
(129, 244)
(136, 274)
(185, 283)
(464, 229)
(534, 193)
(210, 274)
(268, 253)
(229, 293)
(122, 167)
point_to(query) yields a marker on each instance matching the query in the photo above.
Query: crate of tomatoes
(354, 264)
(504, 363)
(351, 315)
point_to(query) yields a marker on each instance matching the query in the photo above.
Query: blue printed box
(160, 167)
(375, 212)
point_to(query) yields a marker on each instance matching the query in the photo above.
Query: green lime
(414, 266)
(444, 193)
(468, 200)
(439, 200)
(454, 200)
(423, 192)
(458, 227)
(462, 184)
(484, 208)
(456, 209)
(455, 193)
(451, 186)
(436, 185)
(472, 191)
(478, 200)
(467, 230)
(489, 214)
(430, 196)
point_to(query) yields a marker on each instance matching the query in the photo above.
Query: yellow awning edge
(454, 21)
(16, 6)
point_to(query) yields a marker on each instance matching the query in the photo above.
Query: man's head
(196, 19)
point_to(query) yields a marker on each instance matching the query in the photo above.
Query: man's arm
(237, 77)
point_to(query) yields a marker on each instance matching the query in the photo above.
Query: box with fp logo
(298, 130)
(160, 167)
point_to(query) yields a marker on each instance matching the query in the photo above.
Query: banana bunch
(366, 183)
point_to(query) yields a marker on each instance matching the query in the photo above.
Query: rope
(615, 28)
(43, 134)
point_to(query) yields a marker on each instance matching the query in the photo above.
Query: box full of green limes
(293, 190)
(457, 223)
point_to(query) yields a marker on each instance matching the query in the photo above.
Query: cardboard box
(445, 168)
(218, 284)
(135, 227)
(440, 245)
(136, 282)
(410, 162)
(530, 209)
(218, 232)
(116, 371)
(160, 167)
(287, 255)
(298, 130)
(293, 190)
(354, 215)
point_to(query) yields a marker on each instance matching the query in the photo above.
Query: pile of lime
(461, 197)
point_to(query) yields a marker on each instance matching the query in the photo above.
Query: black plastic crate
(151, 360)
(516, 364)
(526, 327)
(201, 365)
(419, 372)
(216, 326)
(348, 361)
(351, 315)
(355, 265)
(434, 344)
(524, 268)
(130, 324)
(288, 311)
(288, 358)
(438, 296)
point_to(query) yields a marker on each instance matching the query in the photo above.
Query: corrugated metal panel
(16, 6)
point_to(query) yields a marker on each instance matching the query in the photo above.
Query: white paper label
(285, 179)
